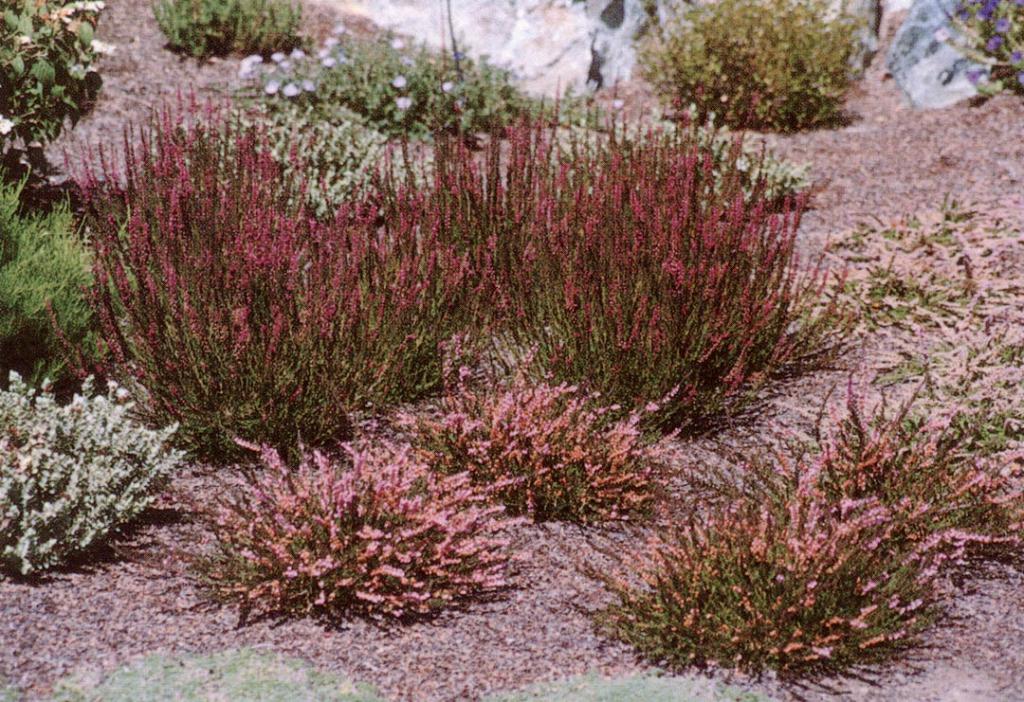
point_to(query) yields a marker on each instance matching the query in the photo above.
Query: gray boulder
(931, 73)
(550, 45)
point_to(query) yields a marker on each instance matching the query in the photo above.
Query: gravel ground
(139, 596)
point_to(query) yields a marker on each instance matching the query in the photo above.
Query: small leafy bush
(992, 32)
(70, 475)
(203, 28)
(337, 155)
(46, 54)
(555, 450)
(44, 272)
(398, 89)
(824, 561)
(379, 534)
(238, 315)
(628, 266)
(761, 64)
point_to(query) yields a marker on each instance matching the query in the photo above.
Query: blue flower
(1020, 77)
(974, 75)
(994, 43)
(1015, 57)
(459, 55)
(1002, 25)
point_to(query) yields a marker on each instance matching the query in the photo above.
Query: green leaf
(85, 33)
(44, 72)
(18, 65)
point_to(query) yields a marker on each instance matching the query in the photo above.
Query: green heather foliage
(46, 79)
(44, 271)
(71, 475)
(375, 533)
(398, 89)
(638, 688)
(203, 28)
(244, 675)
(555, 451)
(824, 561)
(763, 64)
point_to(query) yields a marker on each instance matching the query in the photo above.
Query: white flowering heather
(70, 475)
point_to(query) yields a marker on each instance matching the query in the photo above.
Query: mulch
(140, 595)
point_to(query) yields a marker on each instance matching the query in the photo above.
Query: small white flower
(102, 47)
(328, 62)
(399, 82)
(285, 65)
(331, 42)
(291, 90)
(323, 53)
(403, 103)
(447, 86)
(407, 61)
(308, 85)
(397, 44)
(252, 60)
(298, 54)
(272, 87)
(24, 40)
(941, 34)
(6, 126)
(618, 104)
(339, 29)
(277, 57)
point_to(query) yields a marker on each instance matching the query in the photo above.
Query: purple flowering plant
(992, 33)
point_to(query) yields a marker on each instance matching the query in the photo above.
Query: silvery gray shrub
(71, 474)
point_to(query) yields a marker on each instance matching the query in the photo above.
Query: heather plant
(992, 33)
(204, 28)
(71, 475)
(778, 65)
(44, 271)
(378, 534)
(46, 74)
(628, 267)
(556, 451)
(822, 560)
(399, 89)
(236, 314)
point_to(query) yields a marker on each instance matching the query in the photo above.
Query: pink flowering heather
(559, 454)
(629, 265)
(832, 563)
(381, 535)
(237, 312)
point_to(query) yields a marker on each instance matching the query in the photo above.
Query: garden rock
(929, 71)
(550, 45)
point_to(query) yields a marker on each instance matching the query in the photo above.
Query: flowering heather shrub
(919, 469)
(70, 475)
(757, 64)
(203, 28)
(992, 32)
(238, 313)
(822, 561)
(384, 536)
(555, 450)
(795, 583)
(628, 267)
